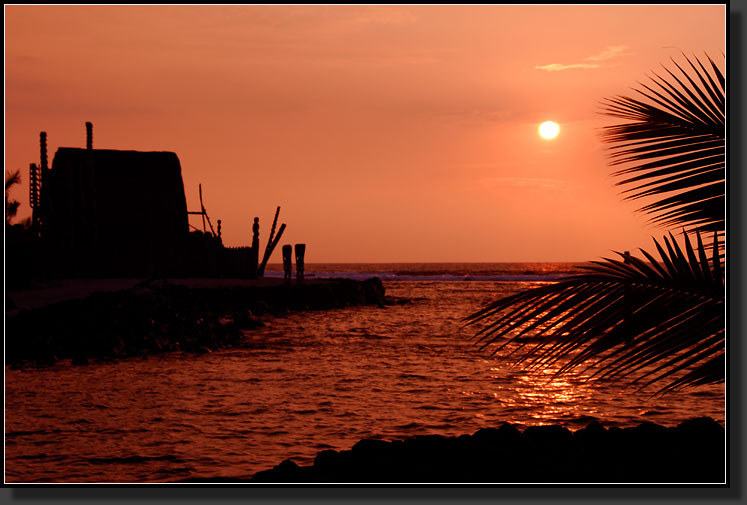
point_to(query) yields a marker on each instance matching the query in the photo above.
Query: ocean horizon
(436, 271)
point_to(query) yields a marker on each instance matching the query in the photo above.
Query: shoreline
(79, 322)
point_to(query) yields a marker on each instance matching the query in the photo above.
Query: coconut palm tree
(644, 320)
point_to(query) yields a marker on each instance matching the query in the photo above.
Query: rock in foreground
(692, 452)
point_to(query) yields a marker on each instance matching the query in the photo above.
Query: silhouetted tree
(645, 320)
(11, 206)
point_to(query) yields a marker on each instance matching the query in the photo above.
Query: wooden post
(254, 250)
(271, 248)
(255, 233)
(43, 179)
(287, 262)
(272, 233)
(202, 210)
(300, 253)
(43, 149)
(204, 214)
(34, 193)
(33, 186)
(90, 182)
(89, 135)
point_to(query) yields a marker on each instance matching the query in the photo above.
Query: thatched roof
(106, 198)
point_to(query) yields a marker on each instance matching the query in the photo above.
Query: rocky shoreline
(162, 316)
(691, 452)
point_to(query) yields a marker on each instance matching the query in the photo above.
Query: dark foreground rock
(692, 452)
(158, 316)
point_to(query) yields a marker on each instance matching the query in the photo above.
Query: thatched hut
(115, 212)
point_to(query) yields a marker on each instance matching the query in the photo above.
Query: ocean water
(307, 382)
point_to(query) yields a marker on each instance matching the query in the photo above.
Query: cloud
(609, 53)
(554, 67)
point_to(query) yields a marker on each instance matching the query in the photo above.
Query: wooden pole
(43, 150)
(43, 179)
(89, 135)
(254, 250)
(202, 210)
(274, 223)
(205, 215)
(209, 223)
(271, 248)
(272, 233)
(34, 191)
(33, 186)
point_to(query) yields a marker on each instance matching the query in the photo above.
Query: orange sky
(385, 133)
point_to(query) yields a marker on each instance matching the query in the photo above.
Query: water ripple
(306, 382)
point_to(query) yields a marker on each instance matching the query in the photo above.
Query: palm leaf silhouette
(674, 145)
(11, 206)
(644, 320)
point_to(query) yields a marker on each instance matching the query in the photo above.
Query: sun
(549, 130)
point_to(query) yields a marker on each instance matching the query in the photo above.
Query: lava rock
(158, 316)
(694, 453)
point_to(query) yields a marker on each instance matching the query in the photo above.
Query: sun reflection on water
(304, 383)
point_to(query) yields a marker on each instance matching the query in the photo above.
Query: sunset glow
(386, 132)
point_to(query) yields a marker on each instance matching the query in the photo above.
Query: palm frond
(11, 206)
(674, 146)
(640, 320)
